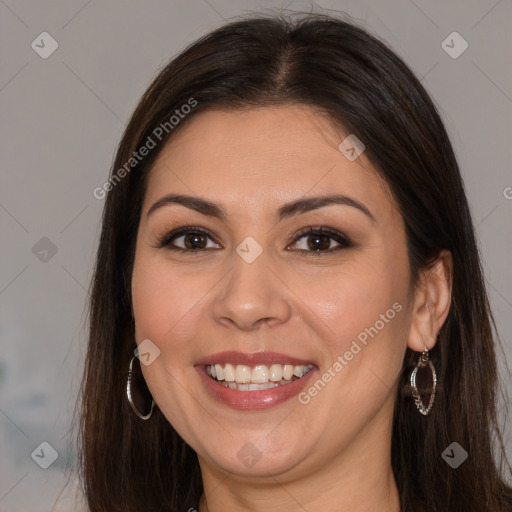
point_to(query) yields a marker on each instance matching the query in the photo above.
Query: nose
(252, 296)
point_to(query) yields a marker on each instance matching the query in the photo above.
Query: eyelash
(343, 241)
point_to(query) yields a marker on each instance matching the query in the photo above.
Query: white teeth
(234, 375)
(260, 374)
(242, 374)
(229, 373)
(298, 371)
(287, 371)
(254, 387)
(276, 372)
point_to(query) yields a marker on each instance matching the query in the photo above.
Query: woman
(288, 310)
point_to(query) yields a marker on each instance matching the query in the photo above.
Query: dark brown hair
(350, 76)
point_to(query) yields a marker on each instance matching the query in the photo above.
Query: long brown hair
(129, 465)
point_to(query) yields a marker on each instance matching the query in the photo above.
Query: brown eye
(194, 241)
(188, 239)
(320, 240)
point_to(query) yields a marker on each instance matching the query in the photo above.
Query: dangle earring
(423, 361)
(137, 392)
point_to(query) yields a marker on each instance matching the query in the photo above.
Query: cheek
(162, 299)
(364, 341)
(355, 299)
(166, 305)
(364, 313)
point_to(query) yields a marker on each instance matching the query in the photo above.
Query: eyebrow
(297, 207)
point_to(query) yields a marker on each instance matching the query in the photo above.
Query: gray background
(62, 118)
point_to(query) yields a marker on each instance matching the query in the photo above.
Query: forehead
(256, 156)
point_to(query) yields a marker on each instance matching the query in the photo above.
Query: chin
(258, 457)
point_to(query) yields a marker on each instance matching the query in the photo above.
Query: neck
(358, 479)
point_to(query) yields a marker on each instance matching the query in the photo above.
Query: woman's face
(244, 288)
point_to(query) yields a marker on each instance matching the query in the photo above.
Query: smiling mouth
(257, 377)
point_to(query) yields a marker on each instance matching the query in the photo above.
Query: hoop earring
(423, 361)
(129, 394)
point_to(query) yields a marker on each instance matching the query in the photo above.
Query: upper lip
(256, 358)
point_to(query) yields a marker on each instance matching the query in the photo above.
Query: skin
(333, 453)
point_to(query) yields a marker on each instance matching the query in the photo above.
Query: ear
(431, 303)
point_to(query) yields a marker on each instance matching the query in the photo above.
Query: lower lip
(253, 400)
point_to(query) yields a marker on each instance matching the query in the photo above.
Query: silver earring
(423, 361)
(129, 395)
